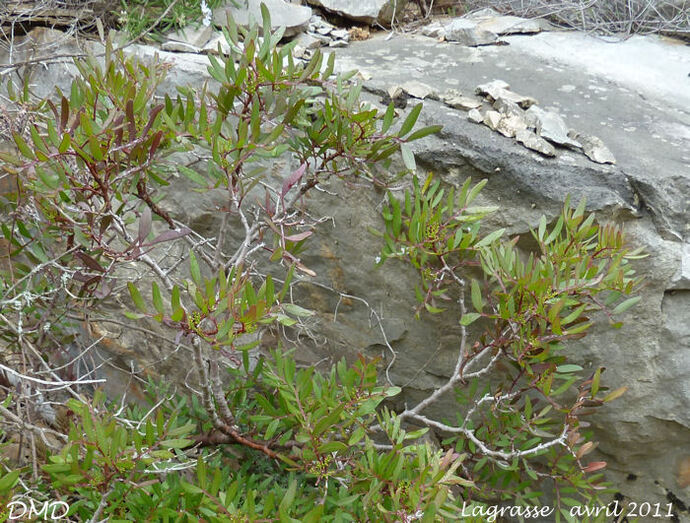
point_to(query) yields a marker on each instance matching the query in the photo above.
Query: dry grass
(620, 17)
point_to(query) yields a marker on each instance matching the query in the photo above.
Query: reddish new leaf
(144, 225)
(291, 180)
(90, 262)
(64, 114)
(152, 117)
(166, 236)
(594, 466)
(299, 236)
(129, 110)
(155, 143)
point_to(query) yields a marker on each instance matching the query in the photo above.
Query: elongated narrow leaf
(23, 147)
(424, 131)
(542, 228)
(194, 269)
(144, 224)
(408, 157)
(477, 302)
(299, 236)
(388, 118)
(136, 297)
(291, 180)
(624, 306)
(615, 394)
(490, 238)
(468, 318)
(595, 382)
(157, 299)
(411, 119)
(193, 175)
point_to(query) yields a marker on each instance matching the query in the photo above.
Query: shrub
(266, 440)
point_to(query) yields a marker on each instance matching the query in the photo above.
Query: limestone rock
(510, 125)
(466, 32)
(505, 106)
(492, 86)
(367, 11)
(341, 34)
(475, 116)
(337, 43)
(419, 90)
(218, 39)
(681, 279)
(308, 41)
(593, 147)
(188, 39)
(283, 14)
(498, 89)
(461, 30)
(492, 119)
(456, 100)
(465, 103)
(534, 142)
(551, 126)
(506, 25)
(434, 30)
(179, 47)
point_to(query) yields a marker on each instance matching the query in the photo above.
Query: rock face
(530, 140)
(593, 147)
(645, 433)
(367, 11)
(490, 20)
(482, 28)
(467, 32)
(551, 126)
(500, 90)
(283, 14)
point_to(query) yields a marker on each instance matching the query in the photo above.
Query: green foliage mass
(266, 440)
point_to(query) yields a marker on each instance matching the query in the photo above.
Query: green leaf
(477, 302)
(424, 131)
(542, 228)
(23, 147)
(356, 436)
(388, 118)
(624, 306)
(490, 238)
(432, 309)
(411, 119)
(564, 369)
(615, 394)
(192, 174)
(595, 382)
(175, 298)
(392, 391)
(580, 327)
(333, 446)
(296, 310)
(475, 190)
(136, 297)
(194, 269)
(191, 489)
(9, 480)
(408, 157)
(64, 144)
(157, 300)
(178, 443)
(469, 317)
